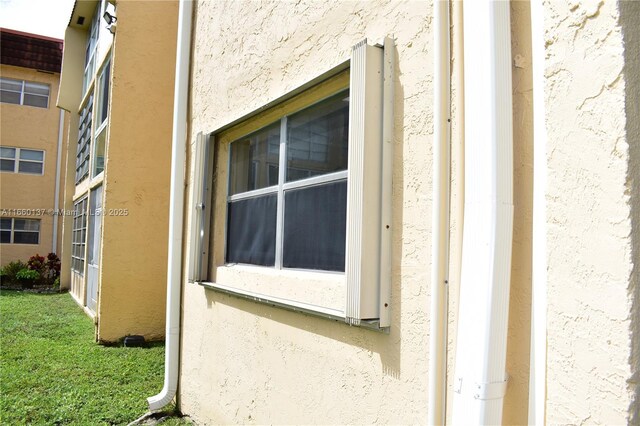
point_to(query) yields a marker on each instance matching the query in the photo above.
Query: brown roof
(30, 50)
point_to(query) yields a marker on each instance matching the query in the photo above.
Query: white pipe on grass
(176, 205)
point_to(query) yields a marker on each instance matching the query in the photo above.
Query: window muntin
(22, 92)
(79, 237)
(263, 226)
(19, 231)
(21, 160)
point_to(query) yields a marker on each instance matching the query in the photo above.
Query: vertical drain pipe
(56, 200)
(440, 223)
(538, 370)
(480, 381)
(176, 205)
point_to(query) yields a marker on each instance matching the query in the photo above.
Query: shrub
(52, 268)
(10, 270)
(36, 263)
(27, 277)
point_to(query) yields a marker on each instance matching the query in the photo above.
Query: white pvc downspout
(480, 378)
(440, 220)
(538, 362)
(56, 200)
(176, 205)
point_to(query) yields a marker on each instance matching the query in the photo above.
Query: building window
(22, 92)
(91, 48)
(291, 203)
(79, 237)
(19, 231)
(21, 160)
(83, 152)
(102, 114)
(287, 200)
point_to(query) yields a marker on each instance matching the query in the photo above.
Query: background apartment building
(31, 158)
(117, 84)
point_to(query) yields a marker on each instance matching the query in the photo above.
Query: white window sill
(320, 291)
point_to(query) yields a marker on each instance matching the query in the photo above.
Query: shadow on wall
(387, 346)
(630, 23)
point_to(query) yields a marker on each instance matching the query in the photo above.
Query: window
(101, 116)
(22, 92)
(84, 141)
(19, 231)
(21, 160)
(287, 200)
(298, 194)
(91, 48)
(79, 237)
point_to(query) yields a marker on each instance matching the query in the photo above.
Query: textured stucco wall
(242, 362)
(589, 215)
(25, 191)
(132, 293)
(630, 23)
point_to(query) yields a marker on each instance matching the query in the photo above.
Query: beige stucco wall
(242, 362)
(134, 246)
(589, 231)
(35, 128)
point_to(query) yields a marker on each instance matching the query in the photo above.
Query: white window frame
(24, 90)
(360, 296)
(80, 224)
(282, 185)
(103, 88)
(13, 230)
(17, 160)
(91, 49)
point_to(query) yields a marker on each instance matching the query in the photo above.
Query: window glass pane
(254, 160)
(7, 152)
(7, 165)
(98, 164)
(36, 101)
(29, 167)
(5, 237)
(36, 89)
(11, 85)
(104, 101)
(20, 237)
(317, 138)
(5, 223)
(29, 154)
(315, 227)
(26, 225)
(251, 230)
(9, 97)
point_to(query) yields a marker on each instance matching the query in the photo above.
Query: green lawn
(52, 371)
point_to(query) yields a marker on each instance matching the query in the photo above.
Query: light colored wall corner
(75, 42)
(519, 334)
(630, 23)
(134, 246)
(588, 215)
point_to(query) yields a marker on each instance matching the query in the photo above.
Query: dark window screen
(251, 230)
(315, 227)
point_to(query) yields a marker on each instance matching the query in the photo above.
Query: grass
(53, 372)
